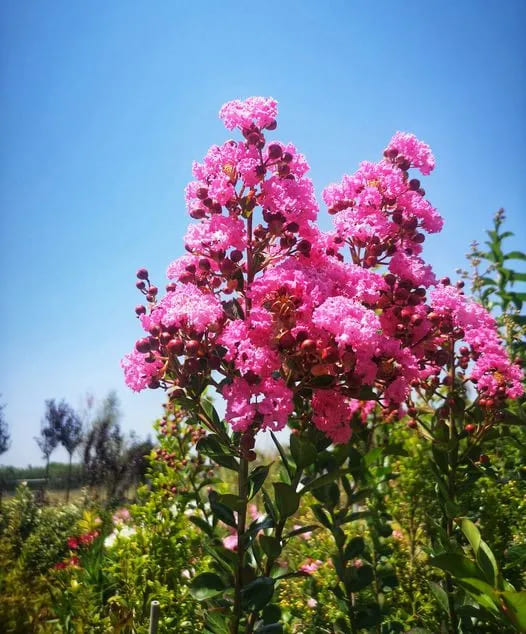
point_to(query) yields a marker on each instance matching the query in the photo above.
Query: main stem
(243, 470)
(452, 469)
(241, 546)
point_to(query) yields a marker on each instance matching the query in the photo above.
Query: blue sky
(106, 104)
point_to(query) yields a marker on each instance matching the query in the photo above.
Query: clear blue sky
(106, 104)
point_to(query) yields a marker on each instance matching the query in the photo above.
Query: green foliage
(399, 530)
(498, 602)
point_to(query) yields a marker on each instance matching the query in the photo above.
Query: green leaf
(303, 451)
(372, 455)
(369, 616)
(257, 593)
(282, 454)
(356, 515)
(206, 585)
(321, 481)
(221, 511)
(300, 531)
(360, 578)
(202, 524)
(287, 500)
(216, 623)
(321, 516)
(488, 564)
(355, 460)
(271, 628)
(366, 393)
(210, 410)
(515, 255)
(457, 565)
(452, 509)
(271, 546)
(328, 494)
(322, 381)
(440, 595)
(212, 447)
(271, 614)
(472, 534)
(481, 591)
(516, 604)
(269, 506)
(354, 548)
(256, 479)
(234, 502)
(440, 457)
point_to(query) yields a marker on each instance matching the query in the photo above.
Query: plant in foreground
(294, 326)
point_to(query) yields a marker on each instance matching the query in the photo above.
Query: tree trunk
(69, 478)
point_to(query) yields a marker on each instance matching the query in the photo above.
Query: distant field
(58, 496)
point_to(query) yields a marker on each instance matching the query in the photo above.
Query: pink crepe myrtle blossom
(405, 146)
(272, 311)
(139, 373)
(241, 114)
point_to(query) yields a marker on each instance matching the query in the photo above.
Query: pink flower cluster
(285, 320)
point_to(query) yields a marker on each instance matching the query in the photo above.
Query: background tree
(69, 434)
(110, 459)
(48, 440)
(4, 431)
(4, 442)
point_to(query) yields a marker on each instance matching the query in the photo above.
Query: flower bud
(140, 310)
(253, 138)
(154, 330)
(175, 346)
(275, 151)
(142, 274)
(283, 170)
(192, 347)
(304, 247)
(329, 355)
(198, 213)
(143, 345)
(286, 340)
(293, 227)
(414, 184)
(165, 338)
(308, 346)
(411, 224)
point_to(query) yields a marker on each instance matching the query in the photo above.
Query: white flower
(127, 531)
(123, 532)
